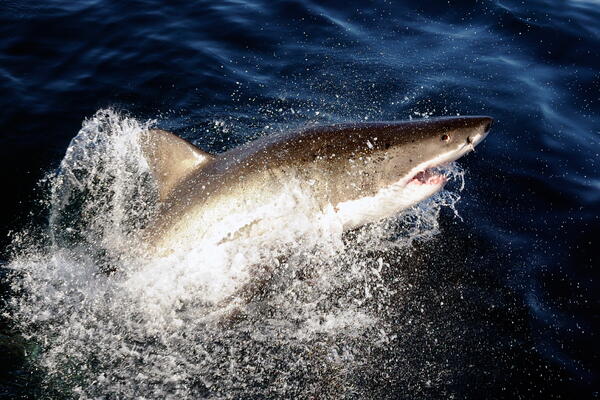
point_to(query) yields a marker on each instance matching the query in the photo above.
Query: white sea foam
(291, 309)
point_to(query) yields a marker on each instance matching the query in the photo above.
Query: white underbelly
(385, 203)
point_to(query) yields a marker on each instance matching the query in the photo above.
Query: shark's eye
(445, 138)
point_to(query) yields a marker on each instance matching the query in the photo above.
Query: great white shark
(358, 172)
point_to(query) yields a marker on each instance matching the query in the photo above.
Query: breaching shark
(360, 172)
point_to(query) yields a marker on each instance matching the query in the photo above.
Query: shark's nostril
(469, 140)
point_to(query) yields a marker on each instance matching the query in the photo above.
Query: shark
(359, 172)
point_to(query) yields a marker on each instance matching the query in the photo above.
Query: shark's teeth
(428, 177)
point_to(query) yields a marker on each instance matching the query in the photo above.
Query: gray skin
(335, 164)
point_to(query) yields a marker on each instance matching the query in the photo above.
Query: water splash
(102, 193)
(310, 320)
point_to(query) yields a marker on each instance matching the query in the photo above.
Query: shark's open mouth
(429, 176)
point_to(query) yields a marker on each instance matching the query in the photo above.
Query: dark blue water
(519, 270)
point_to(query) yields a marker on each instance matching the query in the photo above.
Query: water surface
(500, 302)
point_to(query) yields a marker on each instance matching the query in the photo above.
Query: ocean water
(488, 290)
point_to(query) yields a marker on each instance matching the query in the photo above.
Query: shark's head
(411, 150)
(390, 166)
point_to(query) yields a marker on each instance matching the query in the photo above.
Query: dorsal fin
(171, 158)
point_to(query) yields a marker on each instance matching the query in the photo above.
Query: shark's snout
(475, 138)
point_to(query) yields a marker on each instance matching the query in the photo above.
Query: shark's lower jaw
(391, 199)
